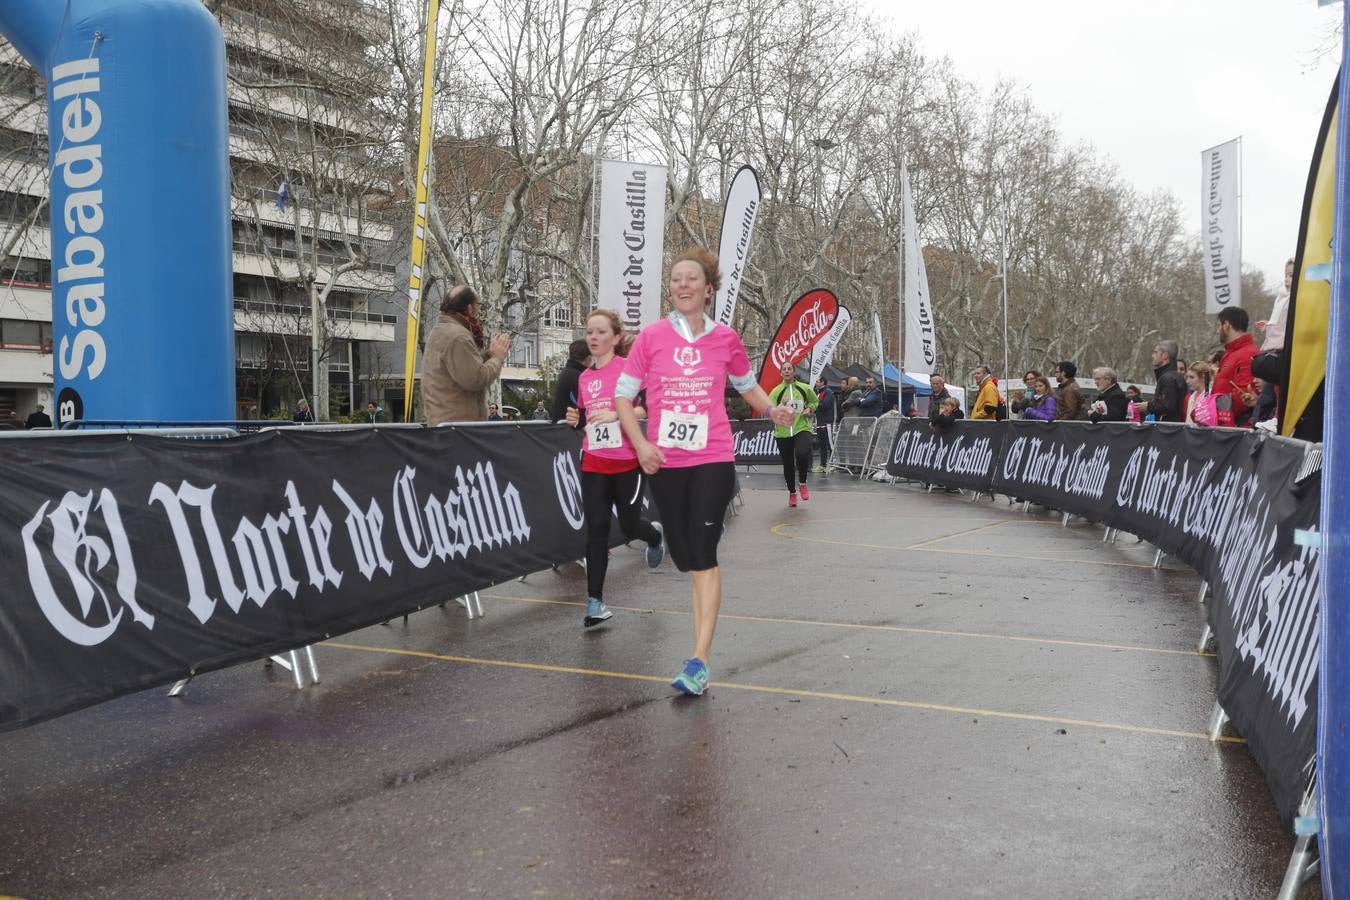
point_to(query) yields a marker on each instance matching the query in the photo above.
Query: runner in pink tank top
(610, 476)
(685, 363)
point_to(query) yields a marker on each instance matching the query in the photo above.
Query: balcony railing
(330, 259)
(268, 307)
(43, 347)
(299, 361)
(350, 210)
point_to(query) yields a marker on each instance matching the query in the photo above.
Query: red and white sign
(806, 322)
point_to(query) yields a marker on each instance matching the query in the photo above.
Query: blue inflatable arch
(138, 147)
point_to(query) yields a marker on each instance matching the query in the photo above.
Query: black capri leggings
(795, 449)
(601, 493)
(692, 501)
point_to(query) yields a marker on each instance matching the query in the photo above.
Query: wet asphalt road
(914, 696)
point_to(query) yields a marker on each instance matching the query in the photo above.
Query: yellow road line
(1058, 559)
(791, 692)
(862, 626)
(919, 548)
(946, 537)
(775, 530)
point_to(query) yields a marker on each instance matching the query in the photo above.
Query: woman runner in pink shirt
(685, 361)
(610, 475)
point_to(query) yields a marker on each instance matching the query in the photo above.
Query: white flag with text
(920, 350)
(823, 351)
(733, 249)
(1221, 225)
(632, 226)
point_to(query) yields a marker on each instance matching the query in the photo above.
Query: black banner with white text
(135, 561)
(754, 443)
(1226, 502)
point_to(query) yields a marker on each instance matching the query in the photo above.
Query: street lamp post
(1003, 248)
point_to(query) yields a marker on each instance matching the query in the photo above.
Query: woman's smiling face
(689, 289)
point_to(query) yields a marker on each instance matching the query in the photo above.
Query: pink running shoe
(806, 495)
(792, 498)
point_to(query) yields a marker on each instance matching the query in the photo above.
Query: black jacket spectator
(937, 399)
(565, 389)
(828, 409)
(1117, 405)
(1169, 397)
(38, 419)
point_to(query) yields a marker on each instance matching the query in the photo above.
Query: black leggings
(795, 449)
(601, 494)
(692, 502)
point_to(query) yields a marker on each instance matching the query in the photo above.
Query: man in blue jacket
(873, 402)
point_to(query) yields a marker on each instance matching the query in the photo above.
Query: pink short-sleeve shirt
(595, 393)
(687, 374)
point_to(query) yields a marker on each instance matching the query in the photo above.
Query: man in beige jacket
(456, 367)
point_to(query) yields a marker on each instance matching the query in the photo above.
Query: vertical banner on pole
(823, 352)
(919, 354)
(632, 226)
(733, 248)
(1221, 231)
(419, 232)
(880, 342)
(1310, 297)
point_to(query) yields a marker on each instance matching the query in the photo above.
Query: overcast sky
(1152, 83)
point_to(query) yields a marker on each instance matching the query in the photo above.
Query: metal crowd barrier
(883, 436)
(852, 443)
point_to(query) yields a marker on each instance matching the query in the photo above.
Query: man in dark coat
(1169, 397)
(940, 393)
(827, 412)
(1111, 404)
(565, 390)
(38, 419)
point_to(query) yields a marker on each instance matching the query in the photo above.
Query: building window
(559, 316)
(25, 272)
(20, 334)
(524, 355)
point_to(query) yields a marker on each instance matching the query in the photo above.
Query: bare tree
(542, 82)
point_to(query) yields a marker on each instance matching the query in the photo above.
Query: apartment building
(25, 241)
(308, 187)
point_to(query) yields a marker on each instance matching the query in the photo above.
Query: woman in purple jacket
(1043, 406)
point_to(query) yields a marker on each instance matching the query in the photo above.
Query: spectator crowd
(1236, 385)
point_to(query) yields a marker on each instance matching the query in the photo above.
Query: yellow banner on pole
(1310, 296)
(416, 269)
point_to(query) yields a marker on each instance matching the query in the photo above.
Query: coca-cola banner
(1226, 502)
(754, 442)
(806, 323)
(136, 561)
